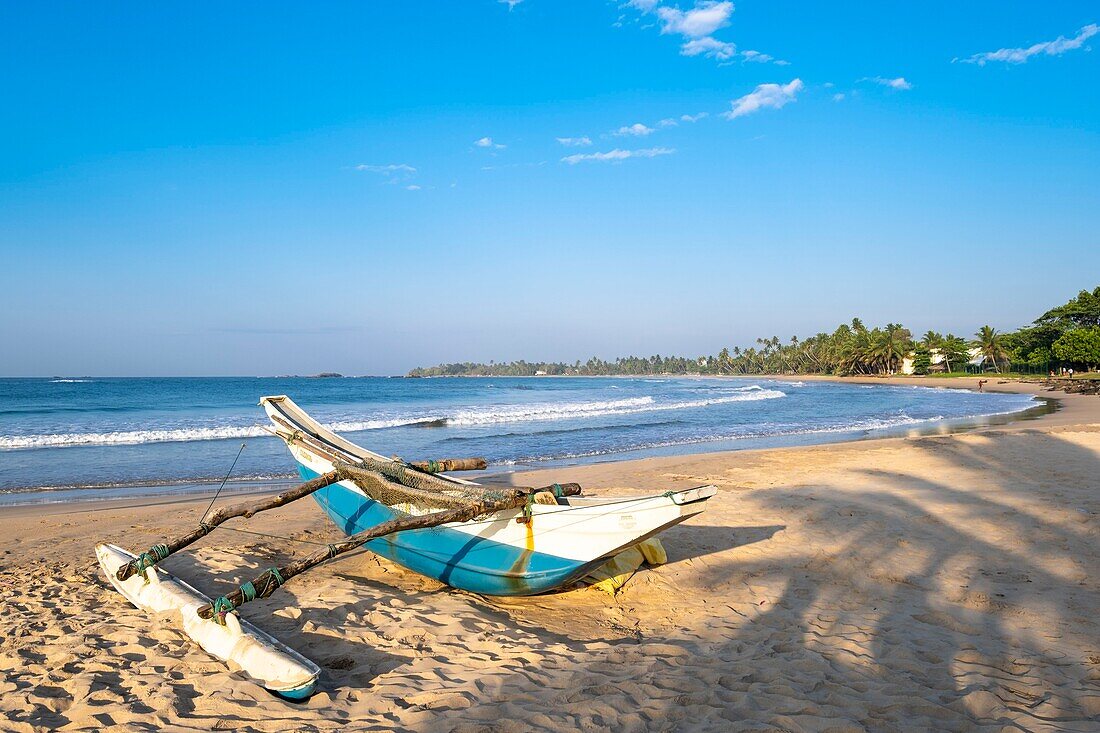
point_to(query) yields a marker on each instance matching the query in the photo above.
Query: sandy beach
(942, 582)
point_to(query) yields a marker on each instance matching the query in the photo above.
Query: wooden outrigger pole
(447, 465)
(372, 473)
(419, 478)
(157, 553)
(267, 582)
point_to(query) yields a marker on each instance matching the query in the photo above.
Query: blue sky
(272, 188)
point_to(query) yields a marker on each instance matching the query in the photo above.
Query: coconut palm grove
(1065, 337)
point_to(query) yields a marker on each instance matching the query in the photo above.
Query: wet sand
(924, 583)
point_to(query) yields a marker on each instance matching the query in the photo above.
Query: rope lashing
(148, 559)
(433, 467)
(271, 580)
(274, 580)
(222, 606)
(558, 492)
(527, 513)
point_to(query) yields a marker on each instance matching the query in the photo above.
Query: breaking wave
(867, 425)
(471, 417)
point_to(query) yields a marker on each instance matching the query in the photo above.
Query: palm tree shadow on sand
(916, 612)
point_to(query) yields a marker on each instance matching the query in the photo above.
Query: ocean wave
(70, 381)
(202, 483)
(543, 434)
(129, 437)
(867, 425)
(178, 435)
(577, 410)
(463, 418)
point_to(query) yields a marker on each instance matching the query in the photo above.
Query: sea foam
(491, 415)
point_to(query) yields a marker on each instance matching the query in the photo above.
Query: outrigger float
(493, 540)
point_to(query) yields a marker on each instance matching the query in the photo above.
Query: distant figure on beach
(981, 382)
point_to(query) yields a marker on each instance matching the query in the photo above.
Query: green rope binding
(148, 559)
(272, 582)
(222, 606)
(433, 467)
(527, 513)
(558, 492)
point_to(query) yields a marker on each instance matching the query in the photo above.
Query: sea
(68, 439)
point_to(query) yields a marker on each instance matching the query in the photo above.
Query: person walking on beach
(980, 383)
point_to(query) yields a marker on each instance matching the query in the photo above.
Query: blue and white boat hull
(494, 555)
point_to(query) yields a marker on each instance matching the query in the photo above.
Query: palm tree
(899, 342)
(856, 352)
(724, 365)
(951, 346)
(991, 344)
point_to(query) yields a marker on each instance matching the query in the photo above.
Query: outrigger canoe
(494, 555)
(495, 540)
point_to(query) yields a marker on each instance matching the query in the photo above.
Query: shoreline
(1068, 409)
(1052, 411)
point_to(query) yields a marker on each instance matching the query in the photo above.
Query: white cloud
(637, 130)
(838, 97)
(617, 155)
(712, 48)
(765, 96)
(1057, 47)
(387, 170)
(693, 118)
(510, 3)
(575, 142)
(702, 20)
(392, 172)
(412, 187)
(487, 142)
(667, 122)
(762, 58)
(697, 26)
(898, 83)
(756, 57)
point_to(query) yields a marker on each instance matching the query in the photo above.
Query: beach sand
(926, 583)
